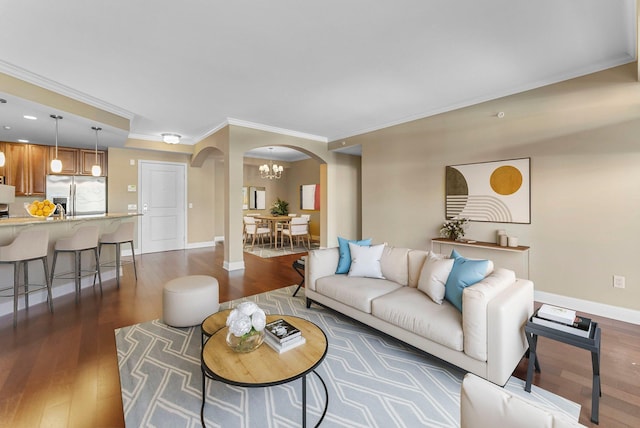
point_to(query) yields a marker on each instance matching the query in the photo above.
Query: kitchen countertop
(18, 221)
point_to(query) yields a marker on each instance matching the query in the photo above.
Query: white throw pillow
(434, 275)
(365, 261)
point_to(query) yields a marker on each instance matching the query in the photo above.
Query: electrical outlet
(618, 281)
(132, 207)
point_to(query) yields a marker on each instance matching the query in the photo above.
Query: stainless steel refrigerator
(78, 194)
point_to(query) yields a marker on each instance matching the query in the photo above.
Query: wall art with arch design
(497, 191)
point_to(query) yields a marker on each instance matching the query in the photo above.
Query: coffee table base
(304, 397)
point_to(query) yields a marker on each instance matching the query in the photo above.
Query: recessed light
(26, 116)
(6, 127)
(23, 141)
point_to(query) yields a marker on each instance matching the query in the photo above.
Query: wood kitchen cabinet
(26, 168)
(88, 159)
(69, 157)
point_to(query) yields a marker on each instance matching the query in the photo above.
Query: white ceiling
(326, 70)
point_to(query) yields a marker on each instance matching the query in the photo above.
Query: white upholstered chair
(298, 227)
(253, 229)
(28, 246)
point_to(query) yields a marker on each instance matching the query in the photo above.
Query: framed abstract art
(497, 191)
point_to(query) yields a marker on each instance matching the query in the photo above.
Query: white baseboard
(233, 265)
(35, 298)
(203, 244)
(218, 239)
(614, 312)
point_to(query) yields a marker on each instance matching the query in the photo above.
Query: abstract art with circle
(489, 191)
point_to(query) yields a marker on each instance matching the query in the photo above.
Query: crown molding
(212, 131)
(276, 130)
(43, 82)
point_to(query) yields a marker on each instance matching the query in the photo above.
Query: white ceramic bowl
(27, 205)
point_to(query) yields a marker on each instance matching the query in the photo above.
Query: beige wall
(201, 219)
(582, 137)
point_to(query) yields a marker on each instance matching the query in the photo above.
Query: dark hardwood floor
(61, 370)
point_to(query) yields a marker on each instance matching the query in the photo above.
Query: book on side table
(581, 326)
(282, 336)
(555, 313)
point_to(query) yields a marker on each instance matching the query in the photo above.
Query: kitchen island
(58, 228)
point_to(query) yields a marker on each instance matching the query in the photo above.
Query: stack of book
(563, 319)
(282, 336)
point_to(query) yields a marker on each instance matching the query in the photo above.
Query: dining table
(273, 221)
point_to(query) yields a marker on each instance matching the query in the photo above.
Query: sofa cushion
(475, 301)
(365, 261)
(434, 275)
(344, 262)
(484, 404)
(414, 311)
(465, 272)
(353, 291)
(416, 262)
(395, 264)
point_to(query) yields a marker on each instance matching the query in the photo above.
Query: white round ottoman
(188, 300)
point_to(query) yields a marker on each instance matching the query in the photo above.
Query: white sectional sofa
(486, 338)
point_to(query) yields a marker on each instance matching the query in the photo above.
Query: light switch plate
(132, 207)
(131, 188)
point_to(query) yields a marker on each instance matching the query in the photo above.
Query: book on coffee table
(581, 326)
(281, 331)
(284, 346)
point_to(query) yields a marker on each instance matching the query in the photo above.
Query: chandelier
(271, 170)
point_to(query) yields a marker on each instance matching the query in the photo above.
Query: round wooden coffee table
(265, 367)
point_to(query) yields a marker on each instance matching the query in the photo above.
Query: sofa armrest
(506, 342)
(320, 263)
(483, 404)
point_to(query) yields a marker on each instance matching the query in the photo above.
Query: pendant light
(96, 171)
(56, 164)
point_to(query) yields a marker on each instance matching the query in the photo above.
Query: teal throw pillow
(464, 273)
(344, 263)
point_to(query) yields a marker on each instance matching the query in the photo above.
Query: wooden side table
(591, 344)
(265, 367)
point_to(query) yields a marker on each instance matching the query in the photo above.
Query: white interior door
(162, 199)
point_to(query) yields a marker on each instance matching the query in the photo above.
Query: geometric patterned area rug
(373, 380)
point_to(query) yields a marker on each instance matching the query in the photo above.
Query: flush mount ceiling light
(96, 171)
(56, 164)
(171, 138)
(271, 170)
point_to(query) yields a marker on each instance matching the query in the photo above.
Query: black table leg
(304, 401)
(300, 269)
(204, 394)
(533, 360)
(596, 392)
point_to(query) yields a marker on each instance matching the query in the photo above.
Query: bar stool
(122, 235)
(85, 239)
(28, 246)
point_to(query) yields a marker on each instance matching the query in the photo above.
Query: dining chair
(298, 227)
(279, 225)
(253, 230)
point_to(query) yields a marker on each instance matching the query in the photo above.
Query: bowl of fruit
(40, 209)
